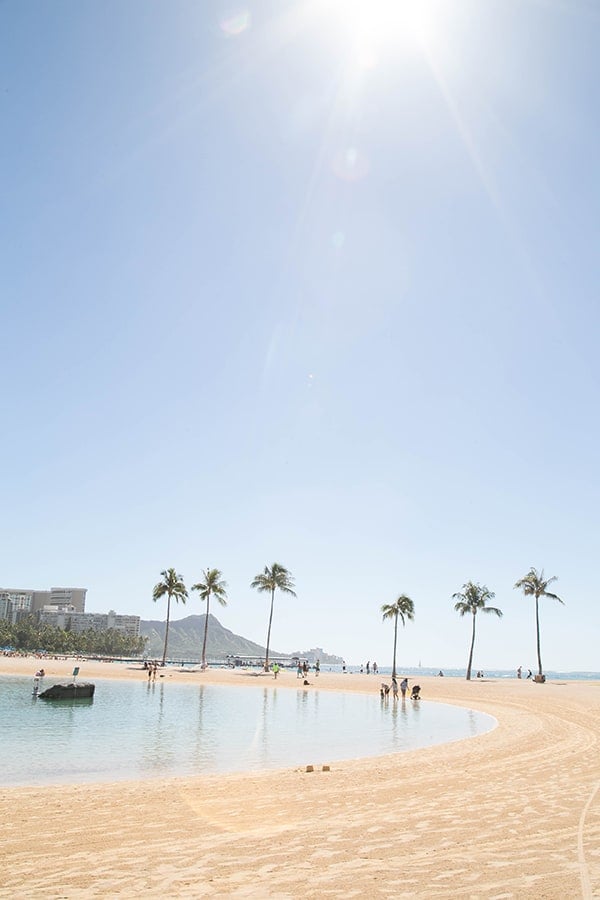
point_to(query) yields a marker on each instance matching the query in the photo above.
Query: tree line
(31, 636)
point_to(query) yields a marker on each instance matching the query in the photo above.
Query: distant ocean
(461, 673)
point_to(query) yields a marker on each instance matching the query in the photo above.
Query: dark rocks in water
(72, 691)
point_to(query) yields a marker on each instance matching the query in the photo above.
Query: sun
(376, 25)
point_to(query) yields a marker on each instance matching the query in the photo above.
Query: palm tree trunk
(167, 628)
(471, 651)
(203, 664)
(395, 643)
(537, 628)
(269, 631)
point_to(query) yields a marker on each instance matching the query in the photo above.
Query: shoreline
(514, 812)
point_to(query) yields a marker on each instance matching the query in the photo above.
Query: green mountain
(186, 636)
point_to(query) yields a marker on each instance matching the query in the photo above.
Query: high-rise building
(18, 602)
(60, 596)
(14, 604)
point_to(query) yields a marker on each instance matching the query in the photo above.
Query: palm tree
(473, 599)
(535, 585)
(402, 609)
(213, 584)
(273, 578)
(172, 585)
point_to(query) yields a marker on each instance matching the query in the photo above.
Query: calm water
(140, 730)
(415, 671)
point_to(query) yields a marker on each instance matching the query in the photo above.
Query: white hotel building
(63, 608)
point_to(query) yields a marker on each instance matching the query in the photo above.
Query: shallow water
(134, 730)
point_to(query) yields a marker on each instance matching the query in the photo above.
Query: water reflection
(399, 714)
(159, 753)
(472, 719)
(263, 724)
(139, 729)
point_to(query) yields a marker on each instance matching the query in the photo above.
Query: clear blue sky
(306, 282)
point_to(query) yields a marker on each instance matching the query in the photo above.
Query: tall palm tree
(402, 609)
(273, 578)
(213, 584)
(172, 585)
(474, 599)
(535, 585)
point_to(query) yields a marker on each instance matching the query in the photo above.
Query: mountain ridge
(186, 637)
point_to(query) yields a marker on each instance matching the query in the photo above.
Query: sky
(310, 282)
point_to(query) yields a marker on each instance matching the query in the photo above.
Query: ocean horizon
(550, 674)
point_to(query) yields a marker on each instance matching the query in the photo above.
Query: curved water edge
(138, 730)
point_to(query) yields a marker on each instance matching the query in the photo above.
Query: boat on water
(74, 690)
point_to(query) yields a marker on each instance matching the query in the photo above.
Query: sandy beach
(514, 813)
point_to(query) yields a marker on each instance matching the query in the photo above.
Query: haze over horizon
(313, 282)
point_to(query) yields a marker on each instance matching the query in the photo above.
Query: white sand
(514, 813)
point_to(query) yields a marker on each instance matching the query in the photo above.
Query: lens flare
(350, 165)
(236, 23)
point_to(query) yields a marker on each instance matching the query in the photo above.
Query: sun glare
(375, 25)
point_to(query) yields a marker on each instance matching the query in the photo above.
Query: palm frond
(461, 607)
(172, 585)
(213, 585)
(275, 577)
(533, 584)
(403, 608)
(261, 583)
(473, 598)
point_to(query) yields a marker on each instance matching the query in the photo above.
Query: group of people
(302, 670)
(415, 693)
(520, 672)
(152, 669)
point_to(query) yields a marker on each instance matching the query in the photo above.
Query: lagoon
(135, 730)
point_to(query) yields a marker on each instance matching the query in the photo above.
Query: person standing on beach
(368, 666)
(275, 670)
(317, 668)
(404, 687)
(519, 671)
(395, 688)
(374, 668)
